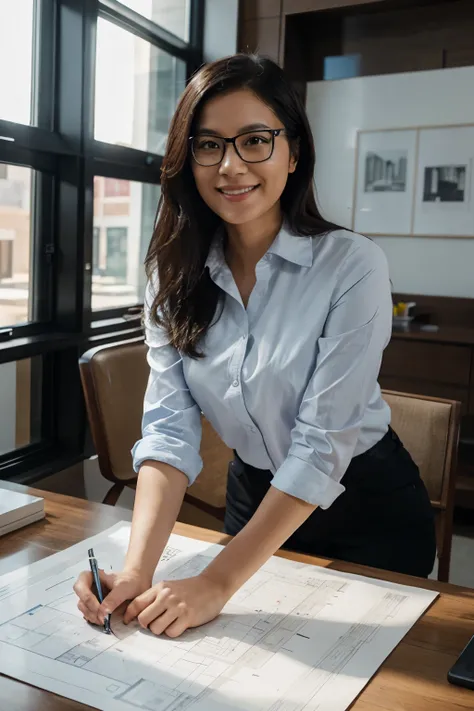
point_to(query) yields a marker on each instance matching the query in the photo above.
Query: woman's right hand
(116, 587)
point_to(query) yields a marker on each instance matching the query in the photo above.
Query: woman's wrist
(222, 581)
(139, 569)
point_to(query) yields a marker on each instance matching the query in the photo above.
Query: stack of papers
(17, 510)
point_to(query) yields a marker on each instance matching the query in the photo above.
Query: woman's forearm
(276, 519)
(158, 499)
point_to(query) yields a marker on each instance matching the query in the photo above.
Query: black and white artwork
(386, 171)
(445, 183)
(444, 199)
(385, 181)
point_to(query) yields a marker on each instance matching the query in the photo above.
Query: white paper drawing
(293, 637)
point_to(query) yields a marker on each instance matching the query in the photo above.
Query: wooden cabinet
(424, 367)
(433, 365)
(261, 35)
(299, 34)
(435, 362)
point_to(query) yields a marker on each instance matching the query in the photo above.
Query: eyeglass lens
(252, 147)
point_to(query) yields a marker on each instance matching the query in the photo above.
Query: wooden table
(413, 678)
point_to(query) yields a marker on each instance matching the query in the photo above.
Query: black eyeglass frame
(274, 132)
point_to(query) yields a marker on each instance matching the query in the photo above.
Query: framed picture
(384, 185)
(444, 201)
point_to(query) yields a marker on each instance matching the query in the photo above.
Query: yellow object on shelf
(402, 309)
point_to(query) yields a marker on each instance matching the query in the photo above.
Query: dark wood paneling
(426, 387)
(262, 36)
(428, 362)
(441, 310)
(453, 335)
(293, 7)
(253, 9)
(390, 37)
(410, 38)
(459, 57)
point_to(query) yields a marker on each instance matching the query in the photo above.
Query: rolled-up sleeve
(348, 360)
(171, 424)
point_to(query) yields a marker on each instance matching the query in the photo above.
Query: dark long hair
(186, 299)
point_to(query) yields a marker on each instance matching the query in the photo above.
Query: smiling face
(237, 191)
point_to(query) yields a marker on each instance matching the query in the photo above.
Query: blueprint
(295, 637)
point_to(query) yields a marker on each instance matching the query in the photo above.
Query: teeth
(238, 192)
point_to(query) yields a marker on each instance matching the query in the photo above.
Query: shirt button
(235, 383)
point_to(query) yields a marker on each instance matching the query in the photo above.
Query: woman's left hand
(173, 606)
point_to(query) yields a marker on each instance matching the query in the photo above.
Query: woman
(271, 321)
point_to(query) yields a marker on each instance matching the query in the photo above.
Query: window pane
(136, 90)
(172, 15)
(20, 403)
(16, 50)
(15, 241)
(124, 215)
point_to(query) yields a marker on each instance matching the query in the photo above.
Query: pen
(95, 573)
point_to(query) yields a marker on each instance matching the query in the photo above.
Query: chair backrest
(429, 429)
(114, 378)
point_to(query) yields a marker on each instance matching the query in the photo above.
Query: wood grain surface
(413, 678)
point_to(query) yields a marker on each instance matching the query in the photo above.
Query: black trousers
(384, 518)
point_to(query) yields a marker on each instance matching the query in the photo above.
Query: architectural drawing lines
(294, 638)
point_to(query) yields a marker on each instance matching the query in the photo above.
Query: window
(15, 244)
(124, 215)
(172, 15)
(16, 60)
(87, 91)
(137, 86)
(20, 403)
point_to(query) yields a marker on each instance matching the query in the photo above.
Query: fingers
(166, 613)
(82, 608)
(163, 601)
(139, 604)
(177, 627)
(114, 599)
(163, 621)
(83, 589)
(107, 579)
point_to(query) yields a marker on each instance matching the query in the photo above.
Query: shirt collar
(292, 247)
(287, 245)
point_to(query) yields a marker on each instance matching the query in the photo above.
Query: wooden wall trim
(262, 36)
(257, 9)
(294, 7)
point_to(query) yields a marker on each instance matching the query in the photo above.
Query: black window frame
(60, 146)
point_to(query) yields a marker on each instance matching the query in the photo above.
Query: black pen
(95, 573)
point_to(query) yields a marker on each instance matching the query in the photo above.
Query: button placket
(236, 398)
(263, 276)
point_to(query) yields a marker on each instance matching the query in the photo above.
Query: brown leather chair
(429, 429)
(114, 378)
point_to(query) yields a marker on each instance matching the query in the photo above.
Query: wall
(220, 28)
(337, 110)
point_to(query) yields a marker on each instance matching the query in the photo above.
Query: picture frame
(384, 181)
(444, 199)
(415, 182)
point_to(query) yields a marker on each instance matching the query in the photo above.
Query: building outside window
(84, 122)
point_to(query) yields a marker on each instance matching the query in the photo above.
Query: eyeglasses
(251, 146)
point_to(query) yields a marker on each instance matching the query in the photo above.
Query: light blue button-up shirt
(290, 382)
